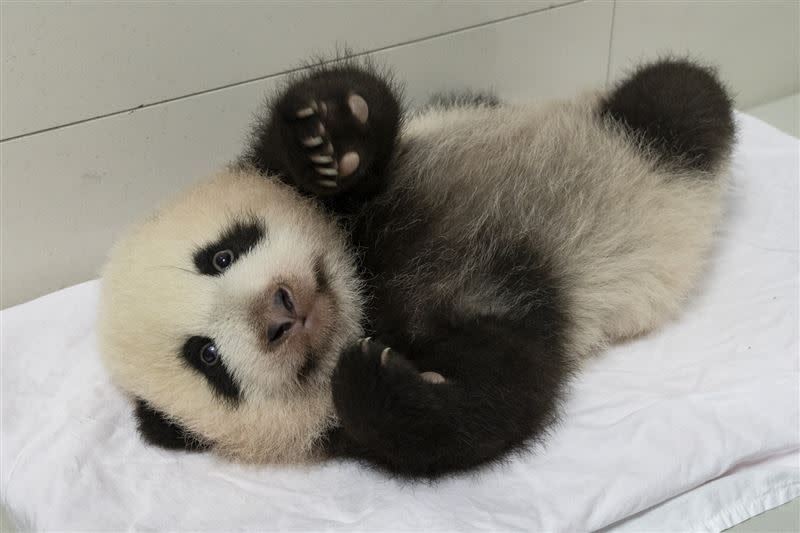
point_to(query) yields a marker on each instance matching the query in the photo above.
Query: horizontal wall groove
(285, 72)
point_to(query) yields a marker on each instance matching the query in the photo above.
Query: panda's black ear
(157, 429)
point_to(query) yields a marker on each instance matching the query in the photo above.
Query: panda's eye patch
(236, 240)
(203, 355)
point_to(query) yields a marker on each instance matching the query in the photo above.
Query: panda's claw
(330, 184)
(327, 171)
(364, 344)
(321, 159)
(312, 142)
(385, 355)
(305, 112)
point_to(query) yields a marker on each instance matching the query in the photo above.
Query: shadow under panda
(413, 289)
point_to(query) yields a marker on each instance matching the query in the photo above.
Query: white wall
(756, 43)
(105, 109)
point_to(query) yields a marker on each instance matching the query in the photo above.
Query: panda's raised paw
(331, 132)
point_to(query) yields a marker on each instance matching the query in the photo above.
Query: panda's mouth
(309, 367)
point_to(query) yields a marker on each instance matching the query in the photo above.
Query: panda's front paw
(331, 132)
(331, 137)
(374, 386)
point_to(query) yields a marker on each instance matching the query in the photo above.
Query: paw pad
(358, 106)
(348, 163)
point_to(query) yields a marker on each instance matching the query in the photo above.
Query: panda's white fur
(625, 233)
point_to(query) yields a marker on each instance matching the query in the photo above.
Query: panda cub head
(222, 317)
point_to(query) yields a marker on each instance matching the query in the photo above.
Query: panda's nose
(283, 300)
(284, 316)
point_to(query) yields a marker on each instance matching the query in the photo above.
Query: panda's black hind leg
(679, 109)
(330, 132)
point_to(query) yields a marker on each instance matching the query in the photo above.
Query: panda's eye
(201, 354)
(222, 260)
(209, 354)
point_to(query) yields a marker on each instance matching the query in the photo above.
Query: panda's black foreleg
(331, 132)
(462, 400)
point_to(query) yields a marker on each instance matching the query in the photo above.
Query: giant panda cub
(413, 290)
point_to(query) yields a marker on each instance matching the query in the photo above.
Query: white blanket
(691, 428)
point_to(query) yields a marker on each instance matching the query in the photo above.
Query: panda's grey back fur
(624, 236)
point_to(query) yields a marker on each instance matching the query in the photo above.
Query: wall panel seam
(610, 41)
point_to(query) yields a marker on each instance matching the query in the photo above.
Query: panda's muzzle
(291, 313)
(284, 316)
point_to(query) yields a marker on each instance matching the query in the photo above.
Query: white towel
(697, 423)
